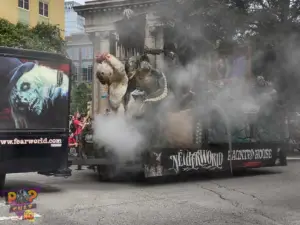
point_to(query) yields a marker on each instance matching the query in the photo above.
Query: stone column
(100, 92)
(159, 44)
(150, 39)
(154, 38)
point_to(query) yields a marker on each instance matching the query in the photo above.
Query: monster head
(104, 73)
(33, 89)
(131, 66)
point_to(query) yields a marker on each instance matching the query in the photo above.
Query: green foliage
(43, 37)
(80, 96)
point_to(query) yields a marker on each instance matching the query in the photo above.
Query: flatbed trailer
(211, 151)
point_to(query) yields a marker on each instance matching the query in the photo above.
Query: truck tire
(238, 172)
(139, 177)
(106, 173)
(2, 183)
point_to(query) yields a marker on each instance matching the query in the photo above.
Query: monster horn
(101, 57)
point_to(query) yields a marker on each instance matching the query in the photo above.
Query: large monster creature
(152, 82)
(137, 70)
(177, 127)
(38, 96)
(110, 71)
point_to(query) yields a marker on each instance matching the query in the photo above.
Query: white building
(80, 51)
(73, 22)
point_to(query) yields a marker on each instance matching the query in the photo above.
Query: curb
(293, 158)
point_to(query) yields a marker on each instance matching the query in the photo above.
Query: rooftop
(106, 5)
(72, 4)
(77, 38)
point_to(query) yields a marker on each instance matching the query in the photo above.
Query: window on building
(24, 4)
(68, 7)
(83, 53)
(87, 52)
(73, 53)
(75, 70)
(80, 21)
(90, 73)
(43, 8)
(87, 71)
(84, 74)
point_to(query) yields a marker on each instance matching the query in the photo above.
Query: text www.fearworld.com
(30, 141)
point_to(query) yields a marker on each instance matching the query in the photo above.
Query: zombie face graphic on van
(36, 92)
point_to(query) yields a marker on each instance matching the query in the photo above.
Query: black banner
(213, 158)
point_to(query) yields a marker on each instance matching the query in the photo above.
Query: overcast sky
(79, 1)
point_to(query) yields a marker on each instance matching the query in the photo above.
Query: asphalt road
(264, 196)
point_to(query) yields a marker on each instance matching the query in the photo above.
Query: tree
(214, 21)
(43, 37)
(200, 26)
(272, 27)
(80, 96)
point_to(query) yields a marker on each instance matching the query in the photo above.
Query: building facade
(32, 12)
(73, 22)
(102, 20)
(80, 51)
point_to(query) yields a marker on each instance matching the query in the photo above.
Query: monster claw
(102, 57)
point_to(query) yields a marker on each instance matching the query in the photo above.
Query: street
(263, 196)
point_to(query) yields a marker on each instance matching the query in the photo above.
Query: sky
(79, 1)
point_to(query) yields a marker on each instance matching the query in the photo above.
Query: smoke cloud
(239, 98)
(120, 134)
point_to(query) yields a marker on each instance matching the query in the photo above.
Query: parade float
(223, 118)
(227, 124)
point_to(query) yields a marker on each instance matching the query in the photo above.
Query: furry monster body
(39, 99)
(111, 72)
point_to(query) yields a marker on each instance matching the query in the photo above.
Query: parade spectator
(78, 126)
(72, 141)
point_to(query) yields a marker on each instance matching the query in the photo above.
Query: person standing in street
(78, 126)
